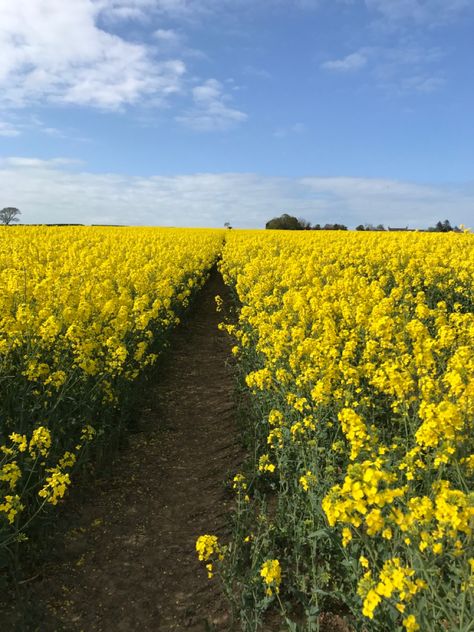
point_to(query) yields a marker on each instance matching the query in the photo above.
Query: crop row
(357, 353)
(83, 311)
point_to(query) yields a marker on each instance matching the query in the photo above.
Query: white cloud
(254, 71)
(39, 163)
(408, 69)
(351, 62)
(423, 84)
(192, 9)
(169, 37)
(210, 111)
(55, 51)
(120, 10)
(419, 11)
(16, 125)
(290, 130)
(173, 42)
(57, 190)
(398, 70)
(7, 129)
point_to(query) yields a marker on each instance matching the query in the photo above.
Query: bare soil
(129, 563)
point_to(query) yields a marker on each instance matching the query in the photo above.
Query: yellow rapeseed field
(83, 310)
(358, 349)
(357, 352)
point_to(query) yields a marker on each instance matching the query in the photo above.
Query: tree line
(9, 215)
(289, 222)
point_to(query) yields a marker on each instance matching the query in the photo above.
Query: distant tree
(370, 227)
(334, 227)
(8, 215)
(227, 225)
(316, 227)
(305, 225)
(286, 222)
(443, 227)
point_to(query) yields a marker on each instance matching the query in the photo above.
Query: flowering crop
(83, 310)
(358, 350)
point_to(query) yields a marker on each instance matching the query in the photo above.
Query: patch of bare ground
(130, 562)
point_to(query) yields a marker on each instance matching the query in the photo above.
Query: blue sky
(178, 112)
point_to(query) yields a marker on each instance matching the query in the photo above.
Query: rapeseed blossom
(359, 352)
(206, 546)
(209, 551)
(83, 311)
(271, 575)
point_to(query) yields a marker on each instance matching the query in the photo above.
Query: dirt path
(131, 564)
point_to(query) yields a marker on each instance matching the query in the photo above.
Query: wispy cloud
(39, 163)
(211, 110)
(421, 84)
(398, 70)
(169, 38)
(255, 71)
(419, 11)
(128, 10)
(7, 129)
(349, 63)
(53, 51)
(15, 125)
(195, 9)
(408, 68)
(175, 42)
(61, 191)
(290, 130)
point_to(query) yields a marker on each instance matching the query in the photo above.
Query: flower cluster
(209, 550)
(83, 311)
(271, 575)
(359, 348)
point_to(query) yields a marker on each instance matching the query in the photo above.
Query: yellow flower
(410, 623)
(67, 460)
(239, 483)
(264, 464)
(346, 536)
(307, 480)
(11, 506)
(10, 473)
(371, 602)
(55, 485)
(364, 562)
(20, 440)
(206, 546)
(88, 433)
(271, 574)
(40, 442)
